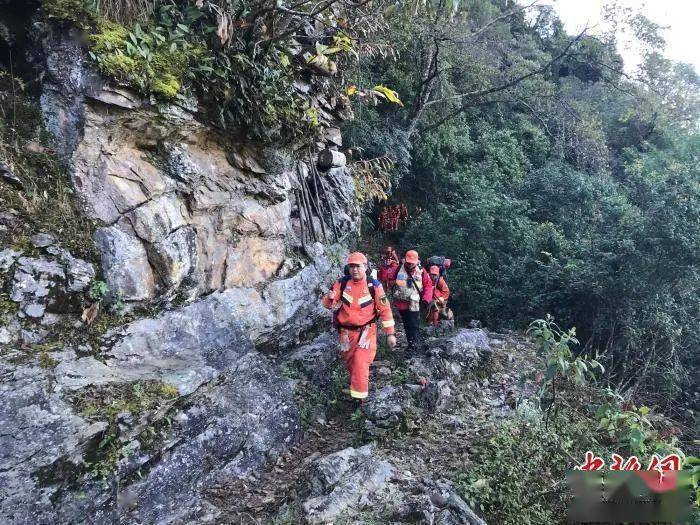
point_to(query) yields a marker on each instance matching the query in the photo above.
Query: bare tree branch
(515, 81)
(481, 30)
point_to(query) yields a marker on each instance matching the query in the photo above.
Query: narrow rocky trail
(427, 444)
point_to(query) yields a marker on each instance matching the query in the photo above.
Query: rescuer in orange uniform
(441, 292)
(355, 319)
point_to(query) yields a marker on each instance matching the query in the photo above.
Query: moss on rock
(108, 403)
(166, 86)
(76, 12)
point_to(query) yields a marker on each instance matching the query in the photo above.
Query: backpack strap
(372, 286)
(343, 283)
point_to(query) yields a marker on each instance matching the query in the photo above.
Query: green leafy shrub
(244, 75)
(518, 474)
(562, 364)
(637, 430)
(98, 290)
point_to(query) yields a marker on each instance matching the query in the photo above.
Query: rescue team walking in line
(361, 300)
(358, 300)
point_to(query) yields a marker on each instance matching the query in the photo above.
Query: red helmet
(356, 258)
(412, 257)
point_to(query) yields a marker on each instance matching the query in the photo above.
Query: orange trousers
(358, 360)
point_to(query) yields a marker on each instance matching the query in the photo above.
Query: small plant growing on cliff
(118, 308)
(98, 290)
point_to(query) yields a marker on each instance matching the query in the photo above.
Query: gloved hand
(391, 340)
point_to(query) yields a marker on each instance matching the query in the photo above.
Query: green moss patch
(76, 12)
(105, 403)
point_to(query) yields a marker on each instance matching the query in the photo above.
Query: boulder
(329, 158)
(342, 480)
(386, 408)
(436, 396)
(466, 348)
(125, 265)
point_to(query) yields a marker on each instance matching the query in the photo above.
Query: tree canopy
(557, 181)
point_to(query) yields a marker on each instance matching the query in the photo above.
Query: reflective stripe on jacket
(356, 307)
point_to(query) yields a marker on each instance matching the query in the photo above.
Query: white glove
(364, 339)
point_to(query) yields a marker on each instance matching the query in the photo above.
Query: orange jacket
(357, 307)
(440, 289)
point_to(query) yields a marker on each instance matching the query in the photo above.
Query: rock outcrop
(444, 362)
(344, 484)
(220, 410)
(183, 209)
(213, 241)
(342, 480)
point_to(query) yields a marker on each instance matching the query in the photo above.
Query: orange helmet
(434, 270)
(357, 258)
(412, 257)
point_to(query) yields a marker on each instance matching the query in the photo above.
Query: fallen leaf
(90, 313)
(35, 147)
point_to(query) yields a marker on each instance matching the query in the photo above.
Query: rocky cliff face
(132, 426)
(183, 209)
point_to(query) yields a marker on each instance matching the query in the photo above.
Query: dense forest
(556, 180)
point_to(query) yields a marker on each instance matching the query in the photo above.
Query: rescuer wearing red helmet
(360, 300)
(389, 265)
(411, 285)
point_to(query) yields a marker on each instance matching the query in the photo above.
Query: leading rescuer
(361, 301)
